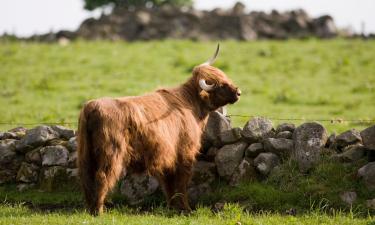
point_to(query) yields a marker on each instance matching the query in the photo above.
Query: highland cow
(157, 133)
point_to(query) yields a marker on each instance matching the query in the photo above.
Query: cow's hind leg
(109, 169)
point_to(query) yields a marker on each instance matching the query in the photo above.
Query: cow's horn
(204, 85)
(213, 58)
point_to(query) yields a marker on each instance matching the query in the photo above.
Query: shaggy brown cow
(158, 133)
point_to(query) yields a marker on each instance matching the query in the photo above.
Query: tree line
(93, 4)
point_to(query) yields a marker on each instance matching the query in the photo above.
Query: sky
(26, 17)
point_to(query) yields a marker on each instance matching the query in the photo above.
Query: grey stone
(370, 203)
(368, 137)
(280, 146)
(285, 127)
(291, 212)
(63, 132)
(28, 173)
(9, 135)
(219, 12)
(351, 154)
(9, 144)
(228, 158)
(54, 156)
(328, 152)
(331, 140)
(187, 23)
(257, 129)
(7, 176)
(324, 27)
(34, 157)
(167, 10)
(211, 154)
(266, 162)
(347, 138)
(371, 155)
(216, 124)
(245, 172)
(203, 172)
(7, 150)
(238, 8)
(16, 133)
(36, 137)
(219, 206)
(247, 31)
(135, 187)
(349, 197)
(73, 178)
(15, 163)
(197, 191)
(285, 134)
(309, 139)
(230, 136)
(18, 130)
(367, 173)
(24, 187)
(143, 18)
(8, 171)
(72, 144)
(58, 141)
(254, 149)
(54, 178)
(72, 173)
(20, 134)
(72, 159)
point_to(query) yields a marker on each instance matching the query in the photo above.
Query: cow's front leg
(174, 185)
(179, 198)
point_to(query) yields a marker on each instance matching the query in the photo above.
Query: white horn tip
(213, 58)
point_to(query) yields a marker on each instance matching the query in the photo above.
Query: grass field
(308, 79)
(231, 214)
(314, 197)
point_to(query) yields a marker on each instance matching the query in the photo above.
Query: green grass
(310, 79)
(314, 196)
(287, 188)
(232, 214)
(36, 197)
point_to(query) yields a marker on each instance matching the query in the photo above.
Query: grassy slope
(309, 79)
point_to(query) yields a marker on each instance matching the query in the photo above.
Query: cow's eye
(209, 82)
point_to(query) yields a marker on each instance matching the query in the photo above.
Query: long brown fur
(157, 133)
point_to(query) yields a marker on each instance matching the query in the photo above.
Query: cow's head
(215, 88)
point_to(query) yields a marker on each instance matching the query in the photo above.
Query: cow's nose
(238, 92)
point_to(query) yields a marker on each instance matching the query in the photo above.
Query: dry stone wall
(45, 157)
(188, 23)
